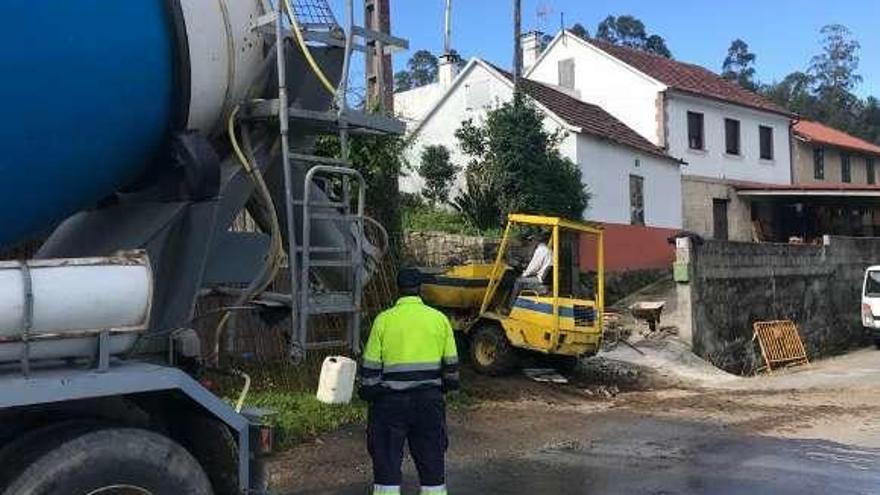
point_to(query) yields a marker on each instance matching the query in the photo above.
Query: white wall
(606, 169)
(410, 106)
(714, 162)
(471, 97)
(604, 81)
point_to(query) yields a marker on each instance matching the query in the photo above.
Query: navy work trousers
(417, 418)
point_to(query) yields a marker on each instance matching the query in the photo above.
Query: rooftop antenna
(542, 13)
(447, 38)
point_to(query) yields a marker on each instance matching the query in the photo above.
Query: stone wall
(732, 285)
(440, 249)
(697, 194)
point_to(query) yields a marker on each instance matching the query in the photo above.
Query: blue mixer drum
(92, 89)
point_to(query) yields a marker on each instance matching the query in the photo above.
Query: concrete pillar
(447, 69)
(531, 49)
(683, 271)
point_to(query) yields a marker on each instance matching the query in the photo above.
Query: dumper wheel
(114, 461)
(491, 352)
(564, 364)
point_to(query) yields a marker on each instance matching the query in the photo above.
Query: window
(731, 136)
(869, 168)
(566, 73)
(637, 200)
(695, 131)
(719, 219)
(845, 168)
(766, 135)
(819, 163)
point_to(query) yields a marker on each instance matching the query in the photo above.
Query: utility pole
(379, 73)
(517, 48)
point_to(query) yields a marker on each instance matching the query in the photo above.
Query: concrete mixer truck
(134, 134)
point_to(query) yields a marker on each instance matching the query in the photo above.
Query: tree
(824, 91)
(378, 157)
(834, 70)
(793, 92)
(739, 65)
(421, 70)
(438, 172)
(580, 31)
(516, 166)
(402, 81)
(629, 31)
(657, 45)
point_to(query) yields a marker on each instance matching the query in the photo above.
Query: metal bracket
(27, 317)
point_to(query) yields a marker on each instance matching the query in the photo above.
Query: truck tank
(93, 89)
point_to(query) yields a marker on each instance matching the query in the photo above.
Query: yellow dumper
(562, 321)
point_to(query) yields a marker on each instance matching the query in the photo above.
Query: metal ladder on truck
(304, 256)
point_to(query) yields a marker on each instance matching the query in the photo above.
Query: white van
(871, 302)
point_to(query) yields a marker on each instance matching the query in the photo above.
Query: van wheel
(117, 461)
(877, 342)
(491, 352)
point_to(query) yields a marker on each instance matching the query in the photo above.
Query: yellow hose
(275, 249)
(297, 32)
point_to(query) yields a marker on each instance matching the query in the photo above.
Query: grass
(426, 218)
(299, 416)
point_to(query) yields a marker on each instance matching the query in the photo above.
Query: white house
(631, 180)
(724, 133)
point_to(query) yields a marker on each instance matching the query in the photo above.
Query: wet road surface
(632, 454)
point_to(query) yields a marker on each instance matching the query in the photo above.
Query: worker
(535, 274)
(409, 363)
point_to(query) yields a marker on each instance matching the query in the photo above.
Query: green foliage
(824, 92)
(834, 70)
(478, 202)
(438, 172)
(298, 416)
(421, 69)
(424, 218)
(379, 158)
(580, 31)
(629, 31)
(516, 166)
(739, 65)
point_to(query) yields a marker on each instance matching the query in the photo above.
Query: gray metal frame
(47, 385)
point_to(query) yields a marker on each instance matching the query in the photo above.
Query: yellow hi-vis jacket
(411, 347)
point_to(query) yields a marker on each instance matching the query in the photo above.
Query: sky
(784, 34)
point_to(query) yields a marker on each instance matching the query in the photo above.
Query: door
(719, 219)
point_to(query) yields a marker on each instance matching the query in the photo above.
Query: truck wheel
(119, 461)
(491, 352)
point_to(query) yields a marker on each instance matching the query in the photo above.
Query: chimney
(447, 69)
(531, 49)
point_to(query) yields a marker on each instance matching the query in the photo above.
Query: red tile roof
(688, 78)
(819, 133)
(590, 118)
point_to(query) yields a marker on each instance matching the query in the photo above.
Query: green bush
(426, 218)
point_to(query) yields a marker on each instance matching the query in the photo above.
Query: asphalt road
(815, 430)
(633, 454)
